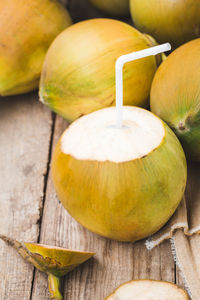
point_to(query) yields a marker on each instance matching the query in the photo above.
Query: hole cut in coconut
(96, 137)
(148, 290)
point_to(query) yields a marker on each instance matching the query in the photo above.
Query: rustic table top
(30, 210)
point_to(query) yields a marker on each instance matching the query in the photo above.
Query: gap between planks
(46, 175)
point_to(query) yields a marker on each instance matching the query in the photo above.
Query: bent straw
(119, 74)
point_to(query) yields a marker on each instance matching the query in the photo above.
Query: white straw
(119, 74)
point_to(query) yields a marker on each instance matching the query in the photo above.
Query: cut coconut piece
(96, 137)
(148, 290)
(54, 261)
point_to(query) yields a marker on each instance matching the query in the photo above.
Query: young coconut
(112, 7)
(27, 29)
(78, 79)
(54, 261)
(148, 290)
(175, 21)
(125, 180)
(175, 95)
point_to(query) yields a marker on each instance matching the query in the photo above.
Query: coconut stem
(54, 287)
(21, 249)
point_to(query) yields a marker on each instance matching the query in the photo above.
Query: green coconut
(27, 29)
(78, 75)
(176, 22)
(148, 290)
(175, 95)
(54, 261)
(112, 7)
(121, 183)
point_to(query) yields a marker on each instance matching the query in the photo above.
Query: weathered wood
(114, 263)
(156, 264)
(25, 129)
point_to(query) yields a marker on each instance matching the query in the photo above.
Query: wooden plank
(114, 263)
(156, 264)
(25, 130)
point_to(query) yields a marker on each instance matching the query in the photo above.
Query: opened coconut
(122, 183)
(113, 7)
(148, 290)
(54, 261)
(176, 22)
(175, 95)
(78, 75)
(27, 29)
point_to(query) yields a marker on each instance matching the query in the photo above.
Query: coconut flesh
(148, 290)
(118, 182)
(103, 141)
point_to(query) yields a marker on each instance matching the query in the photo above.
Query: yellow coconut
(123, 184)
(176, 22)
(54, 261)
(78, 75)
(113, 7)
(175, 95)
(27, 29)
(148, 290)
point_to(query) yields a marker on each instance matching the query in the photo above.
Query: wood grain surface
(30, 210)
(25, 131)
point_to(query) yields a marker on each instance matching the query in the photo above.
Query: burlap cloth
(183, 229)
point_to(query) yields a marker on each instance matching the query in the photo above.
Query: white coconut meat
(148, 290)
(96, 136)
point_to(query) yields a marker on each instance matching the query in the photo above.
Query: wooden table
(30, 210)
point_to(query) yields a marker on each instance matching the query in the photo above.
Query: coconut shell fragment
(54, 261)
(148, 290)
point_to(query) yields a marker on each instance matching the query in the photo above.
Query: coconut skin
(112, 7)
(54, 261)
(124, 201)
(175, 96)
(78, 79)
(145, 289)
(176, 22)
(27, 29)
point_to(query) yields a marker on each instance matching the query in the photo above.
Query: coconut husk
(183, 229)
